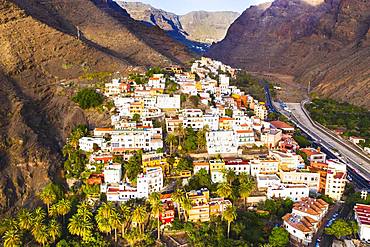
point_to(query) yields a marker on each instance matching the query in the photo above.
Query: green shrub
(88, 98)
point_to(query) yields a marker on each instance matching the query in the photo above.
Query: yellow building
(137, 108)
(155, 160)
(200, 208)
(217, 168)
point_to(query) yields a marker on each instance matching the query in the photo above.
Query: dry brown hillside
(39, 50)
(325, 42)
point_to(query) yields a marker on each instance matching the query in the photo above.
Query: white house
(87, 143)
(336, 178)
(311, 179)
(245, 137)
(112, 173)
(148, 139)
(238, 166)
(271, 137)
(150, 181)
(157, 81)
(193, 118)
(362, 216)
(305, 220)
(264, 166)
(211, 120)
(221, 142)
(166, 101)
(293, 191)
(265, 181)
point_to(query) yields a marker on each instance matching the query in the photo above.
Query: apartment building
(147, 139)
(237, 165)
(293, 191)
(87, 144)
(333, 177)
(112, 173)
(203, 206)
(264, 166)
(264, 181)
(200, 208)
(362, 216)
(199, 165)
(305, 220)
(311, 179)
(260, 110)
(271, 138)
(314, 155)
(212, 121)
(193, 118)
(166, 101)
(116, 88)
(173, 123)
(336, 179)
(288, 161)
(245, 137)
(221, 142)
(149, 182)
(217, 168)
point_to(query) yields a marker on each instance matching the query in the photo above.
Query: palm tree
(55, 230)
(105, 211)
(25, 219)
(157, 209)
(138, 216)
(115, 221)
(229, 215)
(41, 234)
(230, 175)
(246, 188)
(48, 196)
(224, 190)
(186, 205)
(170, 140)
(201, 139)
(80, 226)
(12, 238)
(83, 210)
(63, 207)
(180, 132)
(39, 215)
(178, 196)
(125, 212)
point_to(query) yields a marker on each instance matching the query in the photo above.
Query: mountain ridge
(326, 44)
(41, 54)
(194, 29)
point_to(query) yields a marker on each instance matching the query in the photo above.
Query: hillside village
(149, 121)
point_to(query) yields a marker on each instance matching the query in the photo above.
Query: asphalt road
(358, 162)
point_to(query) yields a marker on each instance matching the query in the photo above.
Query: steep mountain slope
(207, 27)
(198, 28)
(39, 51)
(325, 42)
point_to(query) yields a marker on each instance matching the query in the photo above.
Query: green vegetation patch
(335, 115)
(88, 98)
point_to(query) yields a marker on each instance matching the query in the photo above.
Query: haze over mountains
(197, 29)
(324, 42)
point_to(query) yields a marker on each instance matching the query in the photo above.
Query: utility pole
(309, 87)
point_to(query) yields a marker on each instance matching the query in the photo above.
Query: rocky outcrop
(197, 29)
(324, 42)
(40, 50)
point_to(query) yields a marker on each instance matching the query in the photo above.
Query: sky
(181, 7)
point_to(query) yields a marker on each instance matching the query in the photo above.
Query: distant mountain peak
(196, 29)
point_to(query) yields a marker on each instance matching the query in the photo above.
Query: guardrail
(323, 129)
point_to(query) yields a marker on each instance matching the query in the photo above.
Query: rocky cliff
(40, 50)
(324, 42)
(197, 29)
